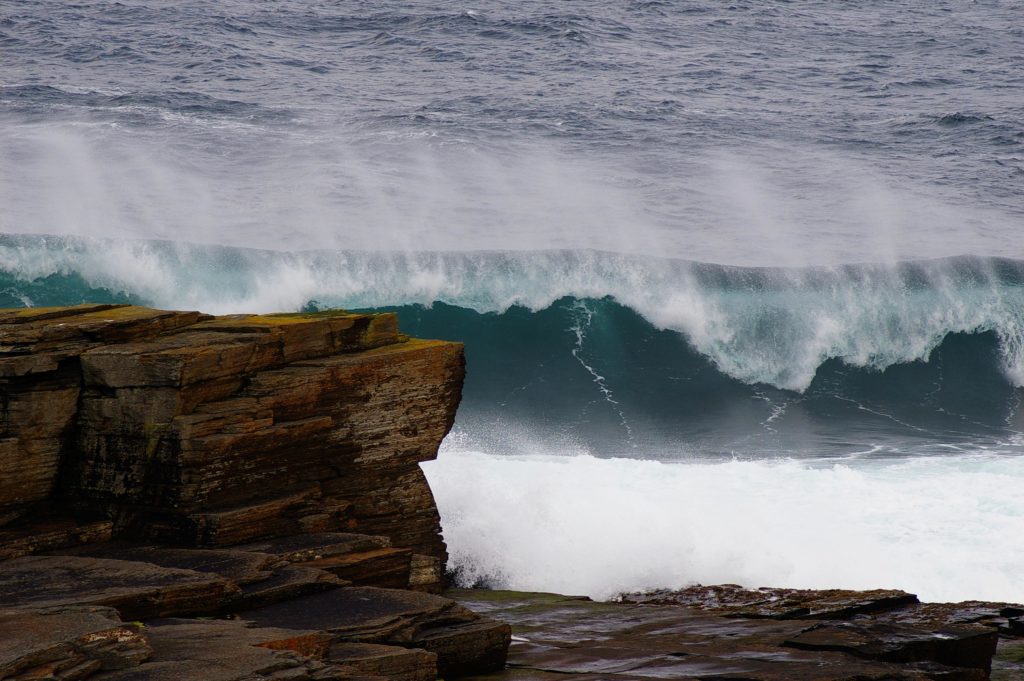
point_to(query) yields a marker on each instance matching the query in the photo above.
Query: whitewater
(741, 286)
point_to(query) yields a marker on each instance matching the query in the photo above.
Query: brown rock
(54, 338)
(36, 413)
(285, 584)
(302, 511)
(579, 639)
(38, 314)
(464, 648)
(40, 381)
(937, 615)
(735, 601)
(391, 662)
(263, 578)
(224, 650)
(51, 534)
(136, 590)
(67, 643)
(244, 430)
(240, 567)
(190, 429)
(223, 472)
(954, 645)
(301, 548)
(463, 641)
(385, 567)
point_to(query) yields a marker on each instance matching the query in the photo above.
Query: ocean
(741, 283)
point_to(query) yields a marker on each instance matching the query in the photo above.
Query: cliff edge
(260, 470)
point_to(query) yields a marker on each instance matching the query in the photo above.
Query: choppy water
(762, 256)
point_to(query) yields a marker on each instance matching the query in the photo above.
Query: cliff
(136, 445)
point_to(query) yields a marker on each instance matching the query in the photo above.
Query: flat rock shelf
(728, 632)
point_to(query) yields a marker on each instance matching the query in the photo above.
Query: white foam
(946, 528)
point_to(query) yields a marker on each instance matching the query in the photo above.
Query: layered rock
(195, 498)
(67, 643)
(105, 616)
(210, 431)
(40, 382)
(162, 465)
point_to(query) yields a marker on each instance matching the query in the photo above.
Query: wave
(758, 325)
(619, 349)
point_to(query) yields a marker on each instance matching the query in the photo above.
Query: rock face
(265, 469)
(40, 383)
(194, 430)
(67, 643)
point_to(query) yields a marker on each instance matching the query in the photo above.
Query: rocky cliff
(265, 469)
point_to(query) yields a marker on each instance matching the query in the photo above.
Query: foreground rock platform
(186, 497)
(728, 632)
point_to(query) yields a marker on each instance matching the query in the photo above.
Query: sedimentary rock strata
(259, 472)
(183, 428)
(67, 643)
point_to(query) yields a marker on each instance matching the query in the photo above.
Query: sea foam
(945, 528)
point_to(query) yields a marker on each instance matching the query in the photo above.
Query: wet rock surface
(728, 632)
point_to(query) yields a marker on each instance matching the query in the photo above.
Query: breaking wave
(615, 352)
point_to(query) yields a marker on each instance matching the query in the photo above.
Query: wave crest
(758, 325)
